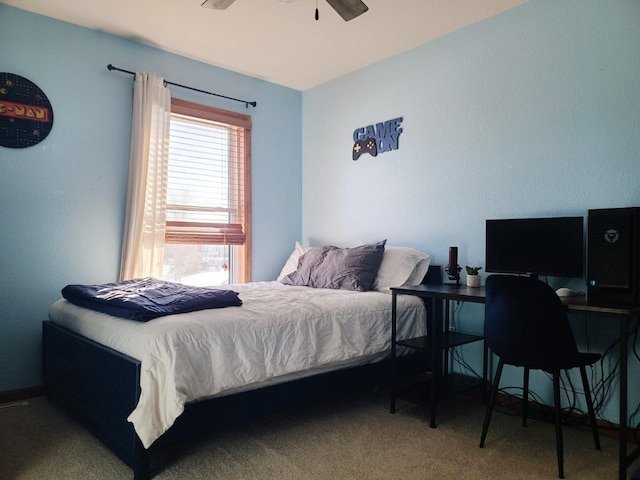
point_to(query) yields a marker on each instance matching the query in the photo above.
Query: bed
(141, 385)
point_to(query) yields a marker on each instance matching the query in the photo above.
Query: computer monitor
(536, 246)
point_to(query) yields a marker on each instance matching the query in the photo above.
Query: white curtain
(144, 229)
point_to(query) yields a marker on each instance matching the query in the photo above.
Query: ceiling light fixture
(347, 9)
(317, 12)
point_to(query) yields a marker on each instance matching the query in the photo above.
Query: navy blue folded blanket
(148, 298)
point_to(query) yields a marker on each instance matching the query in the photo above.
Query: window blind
(206, 182)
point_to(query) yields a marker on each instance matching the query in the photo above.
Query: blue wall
(62, 201)
(533, 112)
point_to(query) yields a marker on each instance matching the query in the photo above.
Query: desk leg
(624, 340)
(392, 407)
(435, 333)
(445, 339)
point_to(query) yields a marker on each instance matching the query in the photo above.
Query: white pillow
(401, 266)
(291, 265)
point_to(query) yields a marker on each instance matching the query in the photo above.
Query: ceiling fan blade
(217, 4)
(348, 9)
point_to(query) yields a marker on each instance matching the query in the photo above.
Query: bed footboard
(97, 385)
(101, 387)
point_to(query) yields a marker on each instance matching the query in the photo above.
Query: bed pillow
(328, 266)
(291, 265)
(401, 266)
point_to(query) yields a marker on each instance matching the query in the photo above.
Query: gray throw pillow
(328, 266)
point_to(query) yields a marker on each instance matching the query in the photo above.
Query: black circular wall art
(26, 116)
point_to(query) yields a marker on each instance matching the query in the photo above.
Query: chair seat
(581, 359)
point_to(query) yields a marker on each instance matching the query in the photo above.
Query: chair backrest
(526, 324)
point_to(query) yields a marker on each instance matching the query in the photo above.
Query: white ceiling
(270, 39)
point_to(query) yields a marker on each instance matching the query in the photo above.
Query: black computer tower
(613, 256)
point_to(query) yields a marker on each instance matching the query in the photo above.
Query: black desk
(434, 294)
(438, 340)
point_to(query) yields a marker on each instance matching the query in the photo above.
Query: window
(208, 224)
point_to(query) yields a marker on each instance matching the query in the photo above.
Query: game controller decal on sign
(26, 116)
(381, 138)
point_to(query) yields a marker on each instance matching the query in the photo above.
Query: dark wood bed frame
(101, 387)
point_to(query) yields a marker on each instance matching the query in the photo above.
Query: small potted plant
(473, 276)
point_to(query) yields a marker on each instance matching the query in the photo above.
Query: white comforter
(278, 331)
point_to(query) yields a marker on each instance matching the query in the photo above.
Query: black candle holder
(454, 272)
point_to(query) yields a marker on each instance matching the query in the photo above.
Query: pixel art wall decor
(26, 116)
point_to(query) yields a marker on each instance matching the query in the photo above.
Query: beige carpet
(351, 438)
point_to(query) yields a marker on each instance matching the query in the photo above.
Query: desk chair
(526, 325)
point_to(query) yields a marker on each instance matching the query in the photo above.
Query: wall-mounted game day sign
(381, 138)
(26, 116)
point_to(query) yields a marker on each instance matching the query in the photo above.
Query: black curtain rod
(246, 103)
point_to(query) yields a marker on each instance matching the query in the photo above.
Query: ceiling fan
(347, 9)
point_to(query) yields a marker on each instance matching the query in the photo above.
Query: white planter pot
(473, 280)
